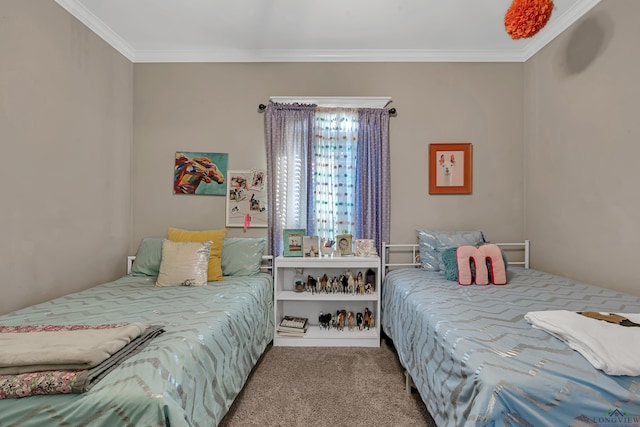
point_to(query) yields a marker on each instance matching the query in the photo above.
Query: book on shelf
(293, 325)
(291, 334)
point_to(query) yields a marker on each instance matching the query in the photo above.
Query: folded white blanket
(607, 346)
(22, 352)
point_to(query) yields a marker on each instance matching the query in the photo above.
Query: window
(327, 170)
(334, 151)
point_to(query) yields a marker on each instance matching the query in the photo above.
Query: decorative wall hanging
(525, 18)
(246, 199)
(200, 173)
(450, 168)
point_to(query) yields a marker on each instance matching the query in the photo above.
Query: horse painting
(195, 171)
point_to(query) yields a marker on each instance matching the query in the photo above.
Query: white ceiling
(315, 31)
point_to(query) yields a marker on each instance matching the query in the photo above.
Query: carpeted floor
(311, 386)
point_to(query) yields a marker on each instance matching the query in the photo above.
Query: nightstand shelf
(310, 305)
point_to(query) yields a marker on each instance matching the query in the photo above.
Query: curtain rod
(262, 107)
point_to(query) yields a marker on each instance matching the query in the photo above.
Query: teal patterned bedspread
(476, 362)
(187, 376)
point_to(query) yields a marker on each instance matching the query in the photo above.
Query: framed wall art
(246, 198)
(450, 168)
(292, 240)
(200, 173)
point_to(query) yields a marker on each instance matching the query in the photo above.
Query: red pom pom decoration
(526, 17)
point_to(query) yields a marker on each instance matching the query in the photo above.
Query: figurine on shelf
(351, 283)
(311, 284)
(350, 320)
(344, 281)
(367, 320)
(323, 283)
(341, 315)
(359, 321)
(334, 285)
(324, 320)
(371, 279)
(360, 284)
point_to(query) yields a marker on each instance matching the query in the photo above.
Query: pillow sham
(242, 256)
(148, 257)
(216, 237)
(184, 263)
(428, 246)
(432, 243)
(451, 239)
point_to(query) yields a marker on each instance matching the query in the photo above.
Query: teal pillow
(450, 261)
(147, 262)
(242, 256)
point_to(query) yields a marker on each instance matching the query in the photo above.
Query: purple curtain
(373, 176)
(288, 137)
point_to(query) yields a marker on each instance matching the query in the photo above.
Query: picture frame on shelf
(292, 240)
(344, 244)
(450, 168)
(365, 247)
(310, 246)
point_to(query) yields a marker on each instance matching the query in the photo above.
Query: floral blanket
(67, 381)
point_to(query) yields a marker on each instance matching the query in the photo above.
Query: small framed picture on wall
(450, 168)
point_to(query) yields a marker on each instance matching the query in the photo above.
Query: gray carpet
(311, 386)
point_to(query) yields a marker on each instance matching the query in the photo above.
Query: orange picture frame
(450, 168)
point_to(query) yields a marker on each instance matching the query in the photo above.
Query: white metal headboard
(265, 267)
(414, 250)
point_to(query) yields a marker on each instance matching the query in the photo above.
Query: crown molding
(563, 22)
(82, 14)
(321, 55)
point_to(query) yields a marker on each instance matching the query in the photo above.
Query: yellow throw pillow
(215, 236)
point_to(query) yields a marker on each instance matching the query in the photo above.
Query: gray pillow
(432, 243)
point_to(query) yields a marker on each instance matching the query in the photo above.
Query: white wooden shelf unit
(305, 304)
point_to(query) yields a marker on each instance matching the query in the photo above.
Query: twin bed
(188, 375)
(474, 358)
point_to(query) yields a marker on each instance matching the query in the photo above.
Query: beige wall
(76, 199)
(213, 108)
(582, 149)
(66, 133)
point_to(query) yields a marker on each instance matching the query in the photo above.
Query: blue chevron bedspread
(476, 362)
(188, 376)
